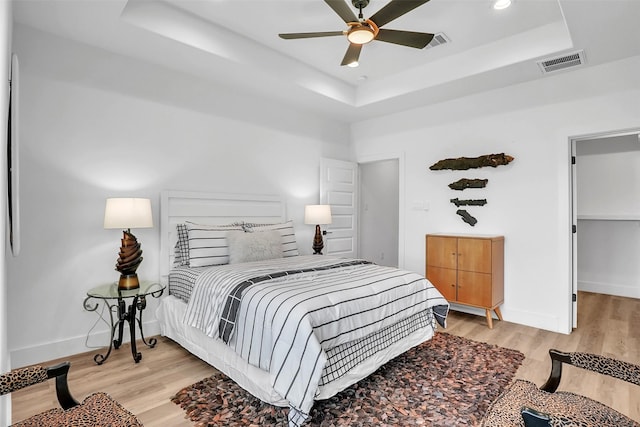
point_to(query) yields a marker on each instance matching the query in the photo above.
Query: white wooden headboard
(211, 208)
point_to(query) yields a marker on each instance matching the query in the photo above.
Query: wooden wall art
(466, 217)
(470, 202)
(464, 163)
(464, 183)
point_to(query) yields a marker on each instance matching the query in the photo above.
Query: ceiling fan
(362, 31)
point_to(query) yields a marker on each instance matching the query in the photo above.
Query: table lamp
(318, 215)
(128, 213)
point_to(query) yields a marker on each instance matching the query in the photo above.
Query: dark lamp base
(317, 242)
(128, 281)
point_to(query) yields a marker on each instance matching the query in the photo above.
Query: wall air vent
(438, 39)
(568, 60)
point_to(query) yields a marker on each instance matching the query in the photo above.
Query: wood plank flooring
(607, 325)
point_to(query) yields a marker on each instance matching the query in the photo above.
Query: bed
(288, 328)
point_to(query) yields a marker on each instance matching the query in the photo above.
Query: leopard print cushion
(607, 366)
(98, 409)
(566, 409)
(20, 378)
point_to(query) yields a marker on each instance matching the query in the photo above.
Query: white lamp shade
(317, 214)
(127, 213)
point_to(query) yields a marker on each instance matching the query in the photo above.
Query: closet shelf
(604, 217)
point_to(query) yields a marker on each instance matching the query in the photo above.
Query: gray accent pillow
(287, 233)
(257, 246)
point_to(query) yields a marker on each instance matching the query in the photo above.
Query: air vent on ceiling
(569, 60)
(438, 39)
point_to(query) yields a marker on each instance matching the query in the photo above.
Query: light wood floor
(607, 325)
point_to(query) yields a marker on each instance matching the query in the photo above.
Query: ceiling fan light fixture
(360, 34)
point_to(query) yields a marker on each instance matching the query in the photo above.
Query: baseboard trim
(46, 352)
(609, 289)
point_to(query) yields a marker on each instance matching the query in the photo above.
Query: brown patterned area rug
(447, 381)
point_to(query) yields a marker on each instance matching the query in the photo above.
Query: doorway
(340, 186)
(379, 211)
(606, 214)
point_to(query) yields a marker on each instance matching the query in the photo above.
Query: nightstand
(126, 306)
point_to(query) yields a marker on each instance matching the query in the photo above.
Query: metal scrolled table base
(124, 314)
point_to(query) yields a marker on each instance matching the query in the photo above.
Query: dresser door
(474, 255)
(444, 279)
(441, 251)
(474, 288)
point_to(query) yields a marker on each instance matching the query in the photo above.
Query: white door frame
(573, 206)
(399, 155)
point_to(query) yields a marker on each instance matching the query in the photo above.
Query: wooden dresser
(468, 270)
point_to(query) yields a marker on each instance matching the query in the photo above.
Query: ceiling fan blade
(343, 10)
(405, 38)
(289, 36)
(395, 9)
(352, 55)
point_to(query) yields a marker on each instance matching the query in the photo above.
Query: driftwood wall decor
(466, 217)
(474, 202)
(464, 163)
(464, 183)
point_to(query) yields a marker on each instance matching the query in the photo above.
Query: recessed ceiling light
(501, 4)
(353, 64)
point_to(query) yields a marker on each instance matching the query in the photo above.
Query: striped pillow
(289, 244)
(208, 245)
(181, 248)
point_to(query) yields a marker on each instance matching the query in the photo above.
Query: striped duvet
(284, 315)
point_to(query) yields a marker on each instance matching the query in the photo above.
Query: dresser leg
(489, 318)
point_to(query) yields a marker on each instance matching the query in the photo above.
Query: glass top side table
(116, 301)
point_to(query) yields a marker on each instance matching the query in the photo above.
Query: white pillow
(258, 246)
(208, 245)
(289, 244)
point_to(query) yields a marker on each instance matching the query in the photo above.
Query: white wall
(609, 257)
(608, 208)
(5, 66)
(608, 177)
(528, 200)
(89, 134)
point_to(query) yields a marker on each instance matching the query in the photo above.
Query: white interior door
(339, 188)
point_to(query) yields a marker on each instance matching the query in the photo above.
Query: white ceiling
(235, 42)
